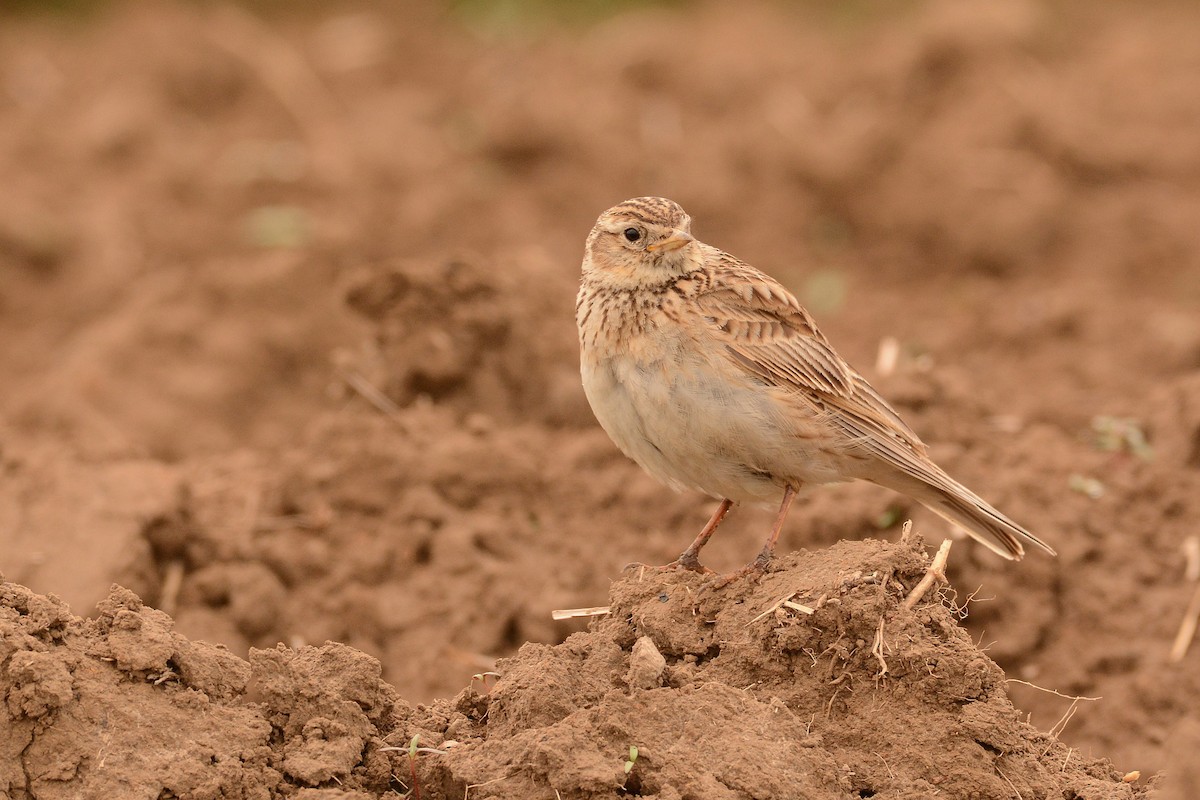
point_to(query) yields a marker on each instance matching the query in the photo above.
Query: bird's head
(645, 241)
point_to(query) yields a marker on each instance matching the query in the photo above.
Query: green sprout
(888, 518)
(1086, 486)
(1121, 434)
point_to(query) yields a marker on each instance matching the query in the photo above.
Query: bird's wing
(769, 334)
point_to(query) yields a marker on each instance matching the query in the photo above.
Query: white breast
(689, 416)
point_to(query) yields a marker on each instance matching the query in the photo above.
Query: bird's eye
(632, 234)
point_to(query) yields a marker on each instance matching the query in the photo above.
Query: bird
(711, 376)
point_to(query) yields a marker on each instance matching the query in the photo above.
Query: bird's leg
(760, 562)
(768, 552)
(690, 558)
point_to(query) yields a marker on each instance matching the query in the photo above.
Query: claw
(678, 565)
(755, 569)
(691, 566)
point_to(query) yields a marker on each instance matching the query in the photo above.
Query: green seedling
(412, 751)
(1121, 434)
(1085, 485)
(630, 763)
(888, 518)
(486, 681)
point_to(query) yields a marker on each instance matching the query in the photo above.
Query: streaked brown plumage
(712, 376)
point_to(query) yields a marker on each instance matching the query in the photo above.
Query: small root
(877, 649)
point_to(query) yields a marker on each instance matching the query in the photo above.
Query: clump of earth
(817, 680)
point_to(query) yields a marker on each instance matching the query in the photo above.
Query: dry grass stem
(770, 610)
(1010, 784)
(1187, 628)
(373, 395)
(572, 613)
(471, 786)
(935, 574)
(1051, 691)
(1061, 725)
(803, 609)
(789, 602)
(168, 599)
(877, 648)
(1191, 555)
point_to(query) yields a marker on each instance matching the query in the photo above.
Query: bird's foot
(687, 561)
(690, 561)
(753, 570)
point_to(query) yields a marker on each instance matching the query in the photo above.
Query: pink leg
(759, 564)
(690, 558)
(768, 552)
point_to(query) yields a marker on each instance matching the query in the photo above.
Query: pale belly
(706, 426)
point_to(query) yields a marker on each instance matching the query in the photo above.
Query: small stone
(646, 665)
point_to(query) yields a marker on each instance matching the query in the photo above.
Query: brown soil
(724, 694)
(221, 233)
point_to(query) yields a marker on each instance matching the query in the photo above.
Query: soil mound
(814, 682)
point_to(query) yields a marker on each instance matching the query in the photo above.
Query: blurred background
(286, 308)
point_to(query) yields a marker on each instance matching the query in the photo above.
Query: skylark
(711, 376)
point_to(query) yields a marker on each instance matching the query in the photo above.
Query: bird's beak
(676, 240)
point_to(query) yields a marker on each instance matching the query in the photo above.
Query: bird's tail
(954, 502)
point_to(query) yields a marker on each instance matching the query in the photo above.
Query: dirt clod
(785, 705)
